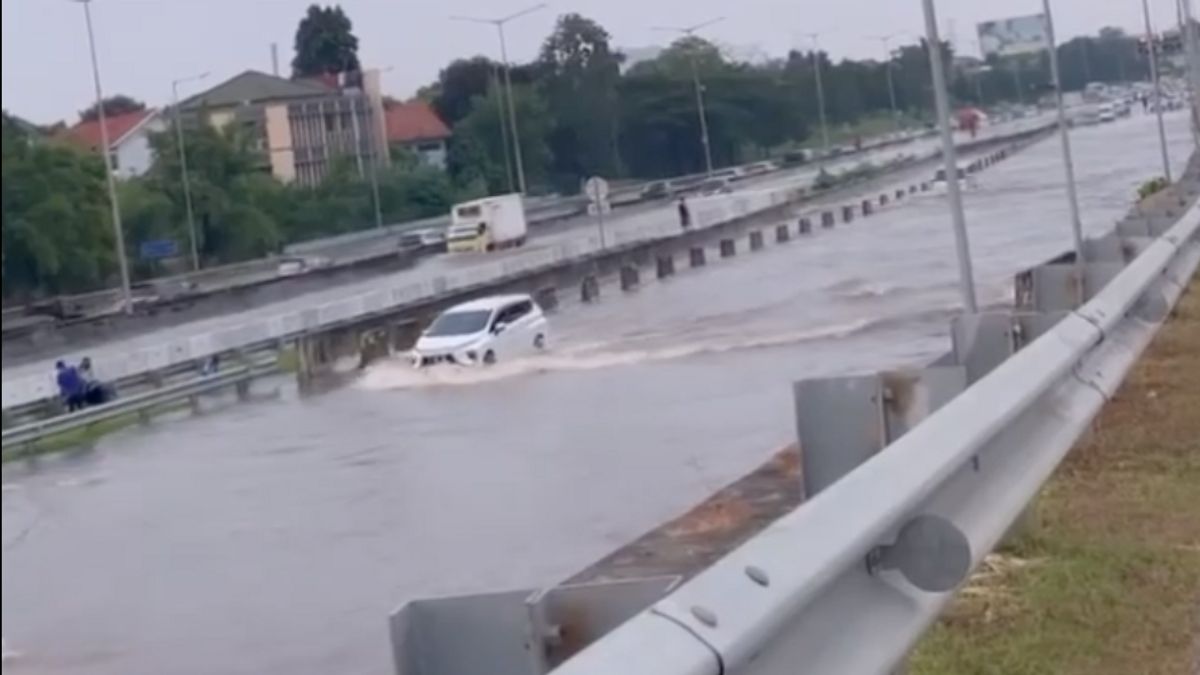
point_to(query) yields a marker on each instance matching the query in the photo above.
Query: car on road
(292, 266)
(424, 240)
(715, 186)
(484, 332)
(655, 190)
(941, 186)
(1108, 112)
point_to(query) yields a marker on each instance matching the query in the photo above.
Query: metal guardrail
(32, 432)
(849, 581)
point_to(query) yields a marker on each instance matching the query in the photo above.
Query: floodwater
(276, 536)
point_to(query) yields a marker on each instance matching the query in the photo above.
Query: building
(300, 128)
(128, 139)
(416, 127)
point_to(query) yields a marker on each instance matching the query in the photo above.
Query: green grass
(87, 435)
(866, 128)
(1104, 578)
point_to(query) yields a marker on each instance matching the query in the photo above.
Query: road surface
(277, 536)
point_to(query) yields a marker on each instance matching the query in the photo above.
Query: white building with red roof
(128, 139)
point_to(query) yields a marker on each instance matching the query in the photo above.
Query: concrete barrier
(899, 195)
(629, 277)
(847, 214)
(665, 265)
(756, 240)
(782, 234)
(883, 200)
(924, 187)
(547, 298)
(827, 219)
(728, 248)
(805, 226)
(589, 289)
(912, 189)
(696, 256)
(867, 207)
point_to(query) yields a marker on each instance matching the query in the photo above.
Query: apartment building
(300, 129)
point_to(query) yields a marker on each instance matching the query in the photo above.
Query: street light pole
(1158, 100)
(1193, 76)
(816, 59)
(950, 158)
(512, 111)
(1065, 135)
(118, 230)
(887, 64)
(690, 31)
(183, 167)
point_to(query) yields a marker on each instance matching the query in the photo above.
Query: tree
(113, 106)
(457, 86)
(579, 74)
(480, 134)
(325, 43)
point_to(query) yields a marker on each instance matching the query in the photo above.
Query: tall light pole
(885, 41)
(690, 31)
(1187, 30)
(1158, 100)
(512, 111)
(1065, 135)
(101, 118)
(183, 167)
(950, 158)
(816, 59)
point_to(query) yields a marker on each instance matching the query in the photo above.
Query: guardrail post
(665, 265)
(629, 277)
(912, 189)
(827, 219)
(925, 187)
(756, 240)
(782, 234)
(242, 387)
(805, 226)
(696, 256)
(867, 208)
(847, 214)
(899, 194)
(883, 200)
(589, 289)
(728, 248)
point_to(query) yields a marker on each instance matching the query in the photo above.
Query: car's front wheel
(489, 358)
(539, 342)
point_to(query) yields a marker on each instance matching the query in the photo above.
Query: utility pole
(512, 111)
(183, 167)
(508, 171)
(1068, 161)
(101, 118)
(950, 159)
(1158, 99)
(690, 31)
(891, 83)
(816, 59)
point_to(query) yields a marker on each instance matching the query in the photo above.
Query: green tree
(325, 43)
(457, 86)
(480, 135)
(113, 106)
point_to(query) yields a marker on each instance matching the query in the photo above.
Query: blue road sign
(158, 249)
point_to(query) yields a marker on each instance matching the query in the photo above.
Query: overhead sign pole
(1065, 135)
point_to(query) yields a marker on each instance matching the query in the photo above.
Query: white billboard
(1013, 37)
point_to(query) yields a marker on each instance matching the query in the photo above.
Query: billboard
(1013, 37)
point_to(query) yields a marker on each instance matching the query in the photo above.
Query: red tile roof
(414, 121)
(87, 134)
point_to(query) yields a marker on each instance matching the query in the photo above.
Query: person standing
(70, 386)
(685, 216)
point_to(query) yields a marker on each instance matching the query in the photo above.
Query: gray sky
(145, 44)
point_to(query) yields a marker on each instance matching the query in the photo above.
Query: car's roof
(491, 302)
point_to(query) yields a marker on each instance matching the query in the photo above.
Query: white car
(483, 332)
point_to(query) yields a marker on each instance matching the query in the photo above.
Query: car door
(516, 339)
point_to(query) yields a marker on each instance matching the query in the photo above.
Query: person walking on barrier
(685, 216)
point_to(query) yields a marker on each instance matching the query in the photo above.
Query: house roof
(414, 121)
(120, 127)
(253, 86)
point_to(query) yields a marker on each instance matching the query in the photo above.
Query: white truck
(487, 224)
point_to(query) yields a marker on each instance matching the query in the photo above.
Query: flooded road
(277, 536)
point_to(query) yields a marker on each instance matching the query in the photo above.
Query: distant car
(424, 240)
(655, 190)
(483, 332)
(1107, 113)
(715, 186)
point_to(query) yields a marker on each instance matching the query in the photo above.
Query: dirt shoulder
(1105, 578)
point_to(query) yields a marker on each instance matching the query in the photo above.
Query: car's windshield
(459, 323)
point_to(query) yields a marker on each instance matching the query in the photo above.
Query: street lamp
(183, 167)
(1158, 99)
(950, 158)
(512, 112)
(885, 41)
(1068, 162)
(816, 59)
(101, 118)
(690, 31)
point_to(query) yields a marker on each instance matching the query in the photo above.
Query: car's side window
(519, 311)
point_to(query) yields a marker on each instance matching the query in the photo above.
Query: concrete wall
(134, 156)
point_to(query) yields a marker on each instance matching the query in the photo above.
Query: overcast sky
(145, 44)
